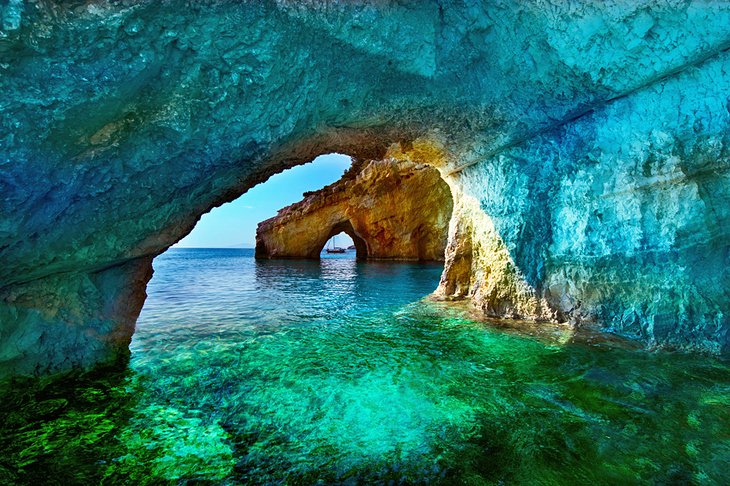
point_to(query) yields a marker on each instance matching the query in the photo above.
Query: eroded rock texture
(623, 222)
(585, 143)
(392, 210)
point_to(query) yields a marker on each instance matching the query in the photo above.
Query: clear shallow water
(335, 372)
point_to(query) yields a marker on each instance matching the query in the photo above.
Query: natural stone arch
(393, 210)
(585, 144)
(309, 243)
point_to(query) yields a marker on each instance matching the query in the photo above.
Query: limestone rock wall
(71, 320)
(393, 210)
(584, 143)
(623, 223)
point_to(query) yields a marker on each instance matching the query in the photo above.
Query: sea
(337, 371)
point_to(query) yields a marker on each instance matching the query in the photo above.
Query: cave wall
(400, 210)
(583, 142)
(624, 222)
(71, 320)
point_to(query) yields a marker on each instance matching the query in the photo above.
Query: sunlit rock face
(585, 144)
(618, 218)
(393, 210)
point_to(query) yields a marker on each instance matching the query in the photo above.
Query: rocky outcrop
(392, 210)
(585, 144)
(71, 319)
(622, 224)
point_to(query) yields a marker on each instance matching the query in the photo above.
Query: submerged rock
(585, 144)
(393, 210)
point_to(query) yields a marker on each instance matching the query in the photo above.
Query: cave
(591, 191)
(541, 196)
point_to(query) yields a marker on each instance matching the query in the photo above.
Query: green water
(336, 372)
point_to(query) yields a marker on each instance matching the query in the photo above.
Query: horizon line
(211, 248)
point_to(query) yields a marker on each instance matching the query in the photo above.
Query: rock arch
(585, 145)
(393, 210)
(308, 244)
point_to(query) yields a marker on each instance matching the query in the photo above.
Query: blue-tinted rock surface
(585, 144)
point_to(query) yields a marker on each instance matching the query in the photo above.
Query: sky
(233, 225)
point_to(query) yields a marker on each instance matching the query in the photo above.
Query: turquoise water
(300, 372)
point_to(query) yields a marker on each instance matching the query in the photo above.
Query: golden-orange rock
(391, 209)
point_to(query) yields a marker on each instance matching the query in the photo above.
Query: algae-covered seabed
(337, 372)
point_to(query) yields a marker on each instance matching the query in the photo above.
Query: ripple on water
(336, 371)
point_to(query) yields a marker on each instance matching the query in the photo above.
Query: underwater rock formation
(392, 210)
(585, 144)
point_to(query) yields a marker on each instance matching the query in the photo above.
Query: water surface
(299, 372)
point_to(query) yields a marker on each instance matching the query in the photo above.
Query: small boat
(334, 248)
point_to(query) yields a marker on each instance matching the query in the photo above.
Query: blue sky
(234, 224)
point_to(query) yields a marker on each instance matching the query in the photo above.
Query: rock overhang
(123, 122)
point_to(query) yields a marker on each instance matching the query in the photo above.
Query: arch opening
(361, 247)
(233, 225)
